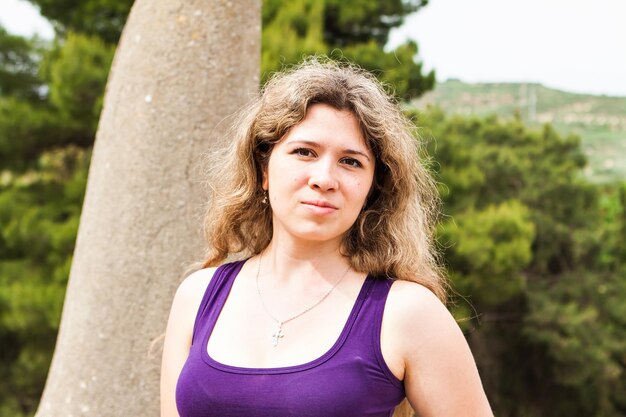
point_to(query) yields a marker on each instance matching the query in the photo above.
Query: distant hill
(600, 121)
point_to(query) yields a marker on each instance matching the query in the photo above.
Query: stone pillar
(181, 68)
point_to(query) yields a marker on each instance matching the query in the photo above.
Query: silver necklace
(278, 333)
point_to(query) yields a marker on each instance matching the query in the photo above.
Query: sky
(21, 18)
(572, 45)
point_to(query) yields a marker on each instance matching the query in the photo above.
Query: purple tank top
(351, 379)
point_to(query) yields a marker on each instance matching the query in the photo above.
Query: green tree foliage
(489, 249)
(537, 250)
(361, 21)
(19, 61)
(580, 319)
(39, 213)
(50, 99)
(25, 129)
(74, 74)
(101, 18)
(356, 31)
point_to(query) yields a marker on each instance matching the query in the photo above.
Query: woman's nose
(323, 176)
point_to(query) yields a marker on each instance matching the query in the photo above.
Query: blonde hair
(393, 236)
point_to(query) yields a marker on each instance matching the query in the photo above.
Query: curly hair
(392, 237)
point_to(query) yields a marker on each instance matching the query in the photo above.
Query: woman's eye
(303, 152)
(352, 162)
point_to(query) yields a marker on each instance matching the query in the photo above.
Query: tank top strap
(215, 295)
(374, 303)
(366, 331)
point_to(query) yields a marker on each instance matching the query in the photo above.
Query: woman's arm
(440, 375)
(178, 336)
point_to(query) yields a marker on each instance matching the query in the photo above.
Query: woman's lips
(319, 207)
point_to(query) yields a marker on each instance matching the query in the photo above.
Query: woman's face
(319, 175)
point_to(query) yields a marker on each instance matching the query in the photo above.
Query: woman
(338, 308)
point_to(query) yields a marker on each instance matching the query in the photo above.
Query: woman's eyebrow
(356, 152)
(317, 144)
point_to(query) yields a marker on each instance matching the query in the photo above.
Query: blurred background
(522, 110)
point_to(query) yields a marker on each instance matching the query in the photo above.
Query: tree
(44, 157)
(533, 246)
(39, 213)
(19, 60)
(355, 30)
(101, 18)
(76, 71)
(138, 223)
(64, 111)
(44, 161)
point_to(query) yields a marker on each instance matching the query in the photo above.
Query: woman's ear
(265, 182)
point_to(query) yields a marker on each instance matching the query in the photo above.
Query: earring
(264, 199)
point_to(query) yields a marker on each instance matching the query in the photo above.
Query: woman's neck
(287, 261)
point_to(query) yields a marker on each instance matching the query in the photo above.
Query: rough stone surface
(181, 68)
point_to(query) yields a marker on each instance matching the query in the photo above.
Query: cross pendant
(278, 333)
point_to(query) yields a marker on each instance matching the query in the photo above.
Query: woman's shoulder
(195, 284)
(199, 278)
(412, 309)
(413, 298)
(430, 353)
(412, 314)
(191, 290)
